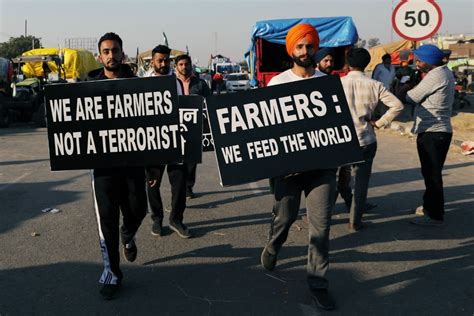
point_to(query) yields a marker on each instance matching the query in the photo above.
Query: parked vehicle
(22, 98)
(267, 54)
(237, 82)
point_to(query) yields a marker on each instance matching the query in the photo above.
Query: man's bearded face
(303, 54)
(161, 63)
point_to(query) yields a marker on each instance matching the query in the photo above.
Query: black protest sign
(113, 123)
(191, 120)
(282, 129)
(207, 141)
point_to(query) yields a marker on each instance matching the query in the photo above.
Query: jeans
(362, 172)
(177, 176)
(191, 177)
(319, 188)
(432, 150)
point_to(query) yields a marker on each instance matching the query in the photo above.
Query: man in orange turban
(319, 185)
(298, 32)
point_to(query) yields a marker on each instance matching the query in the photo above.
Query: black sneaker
(157, 229)
(190, 194)
(130, 251)
(369, 206)
(109, 291)
(323, 299)
(180, 229)
(268, 260)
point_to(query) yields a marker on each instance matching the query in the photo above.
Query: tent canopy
(333, 32)
(393, 49)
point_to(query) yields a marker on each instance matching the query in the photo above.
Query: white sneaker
(420, 210)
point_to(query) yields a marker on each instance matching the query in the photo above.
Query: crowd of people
(122, 190)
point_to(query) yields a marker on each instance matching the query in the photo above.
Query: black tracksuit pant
(117, 190)
(177, 177)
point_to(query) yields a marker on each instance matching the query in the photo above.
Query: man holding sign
(116, 189)
(302, 42)
(161, 65)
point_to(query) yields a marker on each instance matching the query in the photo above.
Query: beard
(326, 70)
(185, 73)
(425, 69)
(303, 63)
(162, 70)
(113, 67)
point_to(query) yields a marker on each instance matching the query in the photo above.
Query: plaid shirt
(363, 94)
(434, 97)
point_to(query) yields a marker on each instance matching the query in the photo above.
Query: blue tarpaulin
(333, 32)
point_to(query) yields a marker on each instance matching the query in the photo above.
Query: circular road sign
(416, 20)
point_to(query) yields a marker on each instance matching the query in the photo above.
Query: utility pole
(215, 43)
(391, 28)
(26, 28)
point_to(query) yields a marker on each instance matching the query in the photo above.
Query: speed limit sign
(416, 20)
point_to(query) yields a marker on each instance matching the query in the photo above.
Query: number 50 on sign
(416, 20)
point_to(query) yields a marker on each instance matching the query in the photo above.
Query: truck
(21, 94)
(220, 66)
(267, 56)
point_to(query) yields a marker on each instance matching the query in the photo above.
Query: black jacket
(198, 86)
(98, 74)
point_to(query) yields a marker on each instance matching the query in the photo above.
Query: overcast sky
(204, 26)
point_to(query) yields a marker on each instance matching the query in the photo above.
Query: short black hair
(110, 36)
(181, 57)
(162, 49)
(386, 56)
(358, 57)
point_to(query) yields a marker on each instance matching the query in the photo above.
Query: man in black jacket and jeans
(191, 85)
(116, 189)
(161, 66)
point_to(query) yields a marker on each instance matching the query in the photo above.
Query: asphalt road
(50, 263)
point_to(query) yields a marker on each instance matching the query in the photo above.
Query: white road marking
(3, 187)
(255, 188)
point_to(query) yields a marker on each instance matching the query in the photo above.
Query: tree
(18, 45)
(373, 42)
(243, 65)
(361, 43)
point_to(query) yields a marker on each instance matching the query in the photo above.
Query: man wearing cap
(433, 98)
(324, 59)
(363, 94)
(302, 43)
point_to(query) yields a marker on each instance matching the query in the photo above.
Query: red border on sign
(416, 38)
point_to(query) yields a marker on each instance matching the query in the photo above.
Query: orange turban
(298, 32)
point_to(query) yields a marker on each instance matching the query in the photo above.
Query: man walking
(191, 85)
(176, 172)
(363, 94)
(433, 97)
(302, 42)
(116, 189)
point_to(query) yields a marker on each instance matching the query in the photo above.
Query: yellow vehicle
(34, 69)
